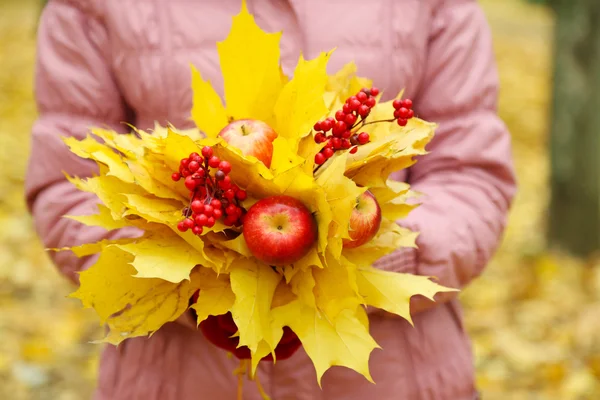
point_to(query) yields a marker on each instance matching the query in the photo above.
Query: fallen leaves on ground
(532, 315)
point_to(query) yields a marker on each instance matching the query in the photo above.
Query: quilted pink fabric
(103, 62)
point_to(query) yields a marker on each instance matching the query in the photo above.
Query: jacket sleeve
(74, 91)
(467, 178)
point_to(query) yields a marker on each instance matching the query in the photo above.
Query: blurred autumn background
(534, 315)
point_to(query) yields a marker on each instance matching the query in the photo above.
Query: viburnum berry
(350, 119)
(241, 195)
(188, 223)
(363, 138)
(362, 96)
(353, 150)
(364, 110)
(340, 115)
(207, 152)
(327, 152)
(225, 166)
(336, 143)
(220, 175)
(210, 192)
(327, 124)
(402, 121)
(320, 158)
(214, 162)
(339, 128)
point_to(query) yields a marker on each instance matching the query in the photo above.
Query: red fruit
(252, 137)
(340, 115)
(350, 119)
(279, 230)
(327, 152)
(326, 125)
(374, 91)
(365, 221)
(354, 104)
(320, 138)
(347, 134)
(231, 209)
(195, 157)
(208, 210)
(363, 110)
(362, 96)
(219, 175)
(176, 176)
(363, 138)
(190, 183)
(397, 104)
(371, 101)
(320, 158)
(181, 226)
(407, 103)
(225, 166)
(193, 166)
(339, 128)
(230, 220)
(402, 113)
(207, 152)
(216, 203)
(184, 162)
(201, 220)
(197, 230)
(411, 113)
(197, 206)
(217, 213)
(346, 108)
(229, 194)
(188, 223)
(353, 150)
(402, 121)
(214, 162)
(318, 126)
(346, 144)
(336, 143)
(241, 195)
(210, 222)
(185, 173)
(225, 183)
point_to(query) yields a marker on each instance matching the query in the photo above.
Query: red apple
(252, 137)
(364, 221)
(279, 230)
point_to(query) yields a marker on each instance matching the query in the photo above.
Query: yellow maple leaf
(169, 258)
(249, 59)
(342, 341)
(254, 284)
(341, 193)
(103, 219)
(208, 112)
(392, 291)
(130, 306)
(301, 102)
(215, 297)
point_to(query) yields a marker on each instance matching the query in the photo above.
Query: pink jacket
(102, 62)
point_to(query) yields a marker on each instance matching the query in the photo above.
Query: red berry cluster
(354, 111)
(403, 111)
(212, 194)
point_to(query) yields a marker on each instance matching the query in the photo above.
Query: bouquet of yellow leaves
(267, 219)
